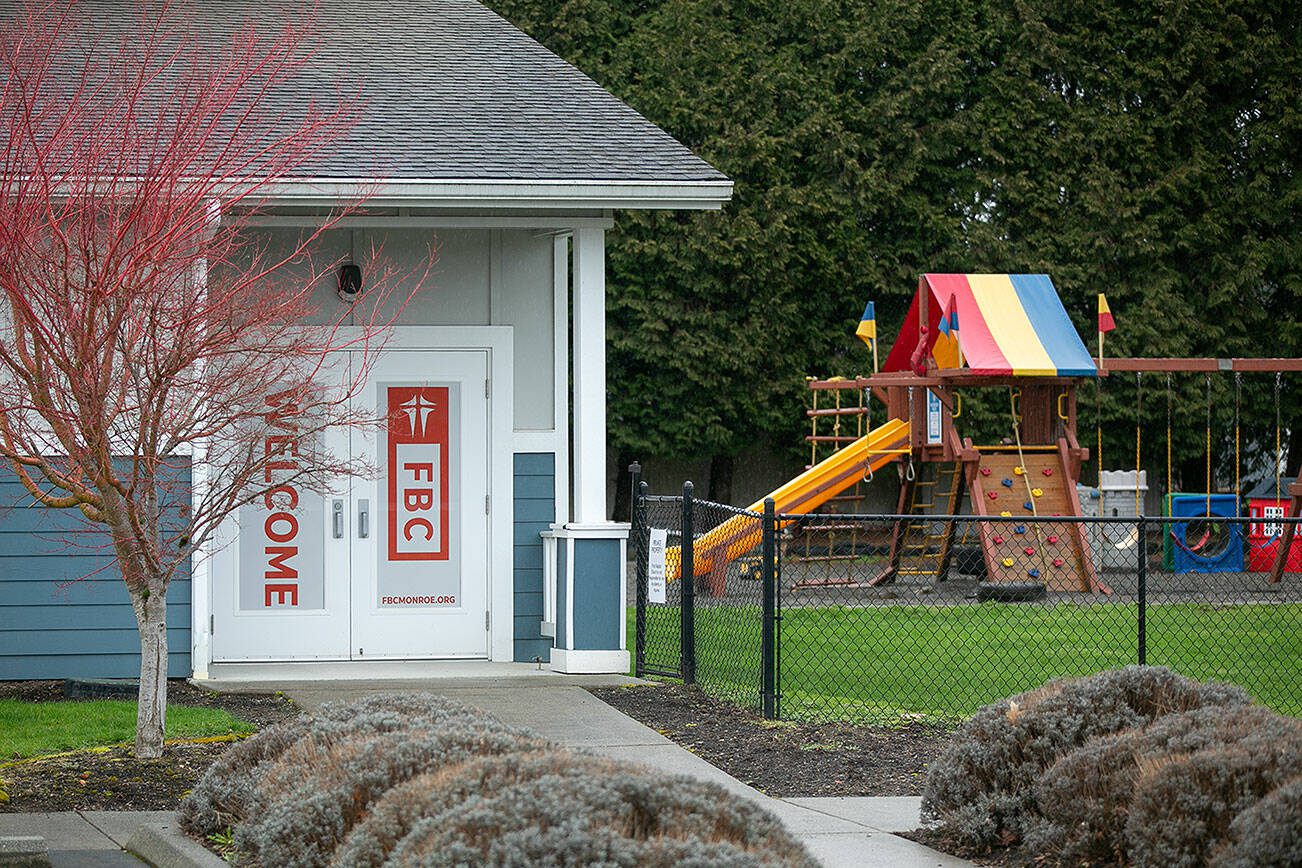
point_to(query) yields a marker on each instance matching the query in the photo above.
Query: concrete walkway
(837, 831)
(83, 839)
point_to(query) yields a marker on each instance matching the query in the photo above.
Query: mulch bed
(116, 780)
(782, 758)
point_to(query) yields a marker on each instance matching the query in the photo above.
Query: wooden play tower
(987, 331)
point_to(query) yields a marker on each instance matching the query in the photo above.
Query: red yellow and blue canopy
(1012, 325)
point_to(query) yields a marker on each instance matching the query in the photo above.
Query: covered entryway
(392, 564)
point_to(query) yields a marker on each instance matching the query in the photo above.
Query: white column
(589, 376)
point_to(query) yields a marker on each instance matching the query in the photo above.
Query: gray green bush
(308, 800)
(1086, 802)
(618, 816)
(429, 794)
(1185, 803)
(1267, 835)
(982, 788)
(225, 793)
(414, 780)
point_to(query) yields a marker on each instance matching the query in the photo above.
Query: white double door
(392, 564)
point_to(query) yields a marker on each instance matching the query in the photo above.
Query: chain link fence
(887, 618)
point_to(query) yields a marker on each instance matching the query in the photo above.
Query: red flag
(1106, 323)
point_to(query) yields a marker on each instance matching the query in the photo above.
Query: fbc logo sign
(418, 473)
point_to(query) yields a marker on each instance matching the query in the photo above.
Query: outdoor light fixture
(350, 282)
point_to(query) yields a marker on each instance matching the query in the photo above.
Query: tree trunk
(151, 706)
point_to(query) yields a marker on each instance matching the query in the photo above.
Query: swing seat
(1131, 540)
(1192, 548)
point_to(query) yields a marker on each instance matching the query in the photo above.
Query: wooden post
(1288, 531)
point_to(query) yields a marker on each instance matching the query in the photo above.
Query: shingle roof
(452, 91)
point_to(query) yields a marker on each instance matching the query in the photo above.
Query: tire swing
(1203, 543)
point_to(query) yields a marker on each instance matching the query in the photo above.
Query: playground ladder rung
(921, 555)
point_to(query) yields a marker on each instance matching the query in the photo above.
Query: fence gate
(657, 532)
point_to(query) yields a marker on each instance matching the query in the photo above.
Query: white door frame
(498, 342)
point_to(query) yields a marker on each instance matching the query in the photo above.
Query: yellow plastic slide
(713, 551)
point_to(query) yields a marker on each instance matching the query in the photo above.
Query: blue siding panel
(64, 612)
(535, 464)
(530, 604)
(97, 666)
(527, 557)
(87, 618)
(535, 488)
(597, 574)
(76, 641)
(526, 627)
(534, 511)
(529, 581)
(90, 592)
(527, 649)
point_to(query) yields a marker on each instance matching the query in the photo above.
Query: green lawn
(883, 663)
(36, 728)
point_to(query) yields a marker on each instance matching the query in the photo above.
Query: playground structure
(1016, 337)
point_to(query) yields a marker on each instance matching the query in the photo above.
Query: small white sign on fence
(655, 565)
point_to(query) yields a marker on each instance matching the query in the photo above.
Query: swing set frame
(1277, 366)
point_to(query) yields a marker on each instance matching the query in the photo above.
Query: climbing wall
(1054, 554)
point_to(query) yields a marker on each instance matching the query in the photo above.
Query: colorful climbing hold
(1019, 470)
(1035, 574)
(998, 540)
(1006, 514)
(985, 471)
(1020, 528)
(1029, 550)
(1006, 483)
(1048, 471)
(1008, 562)
(1057, 562)
(1053, 538)
(1036, 492)
(1028, 506)
(993, 495)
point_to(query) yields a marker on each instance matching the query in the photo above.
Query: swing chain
(1139, 426)
(1279, 455)
(1238, 397)
(1168, 435)
(1208, 442)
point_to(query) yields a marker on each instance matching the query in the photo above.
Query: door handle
(363, 519)
(337, 517)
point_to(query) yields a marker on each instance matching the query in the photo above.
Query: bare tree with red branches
(144, 327)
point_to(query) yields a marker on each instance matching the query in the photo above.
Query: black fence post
(1142, 593)
(687, 607)
(768, 630)
(640, 550)
(634, 480)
